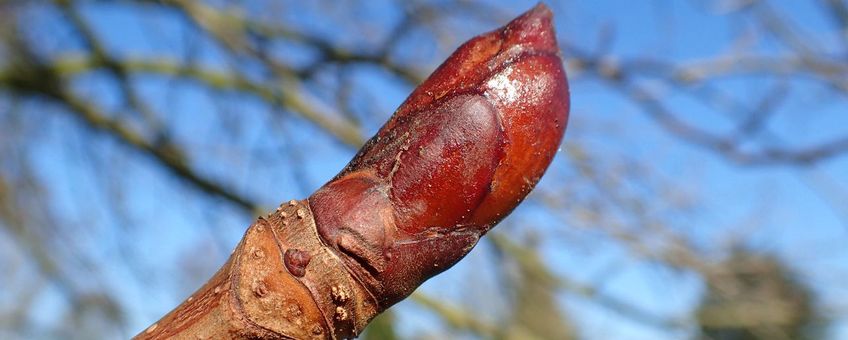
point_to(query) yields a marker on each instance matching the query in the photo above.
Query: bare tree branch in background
(71, 92)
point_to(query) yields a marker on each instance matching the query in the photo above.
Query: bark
(459, 154)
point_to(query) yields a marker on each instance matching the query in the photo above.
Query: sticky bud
(456, 157)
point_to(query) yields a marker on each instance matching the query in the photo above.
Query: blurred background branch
(697, 195)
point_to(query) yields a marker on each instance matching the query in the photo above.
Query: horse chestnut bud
(458, 155)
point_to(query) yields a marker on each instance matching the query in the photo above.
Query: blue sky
(798, 213)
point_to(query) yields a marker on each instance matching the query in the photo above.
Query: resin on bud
(458, 155)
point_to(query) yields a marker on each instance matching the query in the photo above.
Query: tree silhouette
(755, 296)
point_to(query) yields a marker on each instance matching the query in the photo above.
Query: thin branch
(163, 154)
(224, 28)
(455, 316)
(74, 65)
(36, 79)
(621, 78)
(531, 262)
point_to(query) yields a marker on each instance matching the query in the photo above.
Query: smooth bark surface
(457, 156)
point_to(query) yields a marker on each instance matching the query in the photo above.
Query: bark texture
(457, 156)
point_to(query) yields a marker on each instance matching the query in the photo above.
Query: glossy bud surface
(457, 156)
